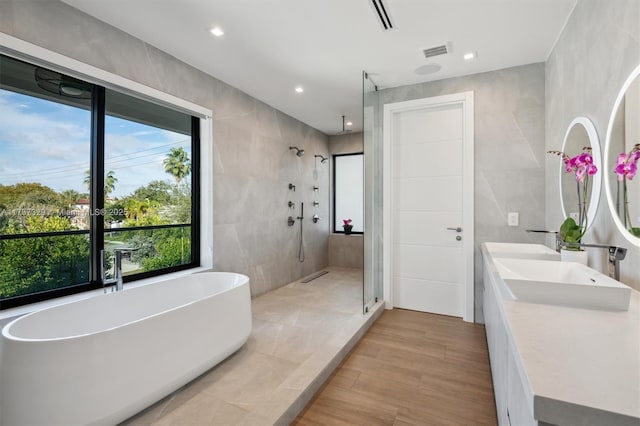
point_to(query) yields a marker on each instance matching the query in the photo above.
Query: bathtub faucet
(116, 282)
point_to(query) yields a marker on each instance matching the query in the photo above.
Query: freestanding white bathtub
(104, 359)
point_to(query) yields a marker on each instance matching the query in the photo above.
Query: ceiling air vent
(437, 51)
(382, 13)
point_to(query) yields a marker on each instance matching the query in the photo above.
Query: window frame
(333, 192)
(200, 178)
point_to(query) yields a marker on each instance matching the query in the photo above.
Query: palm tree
(177, 164)
(110, 180)
(87, 179)
(69, 197)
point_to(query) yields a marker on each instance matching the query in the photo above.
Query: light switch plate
(513, 218)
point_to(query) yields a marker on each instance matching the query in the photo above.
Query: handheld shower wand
(301, 248)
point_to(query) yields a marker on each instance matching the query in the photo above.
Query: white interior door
(431, 229)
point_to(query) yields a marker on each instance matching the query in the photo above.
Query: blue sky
(47, 142)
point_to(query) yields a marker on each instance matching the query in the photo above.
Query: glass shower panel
(372, 288)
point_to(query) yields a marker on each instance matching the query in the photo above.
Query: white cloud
(50, 143)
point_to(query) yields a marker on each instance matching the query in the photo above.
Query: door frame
(465, 99)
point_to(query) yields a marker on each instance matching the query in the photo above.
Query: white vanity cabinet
(555, 364)
(518, 399)
(512, 403)
(497, 344)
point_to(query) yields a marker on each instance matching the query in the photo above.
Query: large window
(86, 170)
(348, 192)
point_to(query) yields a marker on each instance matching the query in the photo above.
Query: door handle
(458, 229)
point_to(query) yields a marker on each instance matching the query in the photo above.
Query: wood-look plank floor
(411, 368)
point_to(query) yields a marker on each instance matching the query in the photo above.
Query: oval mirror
(581, 137)
(622, 157)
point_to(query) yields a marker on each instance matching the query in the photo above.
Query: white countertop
(581, 364)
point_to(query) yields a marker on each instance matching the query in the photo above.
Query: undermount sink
(522, 251)
(562, 283)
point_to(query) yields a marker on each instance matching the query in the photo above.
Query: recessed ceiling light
(299, 89)
(428, 69)
(469, 56)
(349, 123)
(216, 31)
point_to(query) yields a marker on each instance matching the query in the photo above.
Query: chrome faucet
(544, 231)
(116, 282)
(616, 254)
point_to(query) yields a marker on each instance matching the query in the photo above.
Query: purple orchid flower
(582, 164)
(627, 163)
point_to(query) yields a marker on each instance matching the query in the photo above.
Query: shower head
(323, 159)
(299, 152)
(344, 129)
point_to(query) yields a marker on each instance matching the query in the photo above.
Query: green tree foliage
(144, 243)
(177, 164)
(87, 179)
(115, 211)
(23, 200)
(179, 209)
(30, 265)
(28, 195)
(142, 212)
(39, 263)
(110, 181)
(69, 198)
(156, 190)
(172, 246)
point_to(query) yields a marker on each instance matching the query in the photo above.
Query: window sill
(12, 313)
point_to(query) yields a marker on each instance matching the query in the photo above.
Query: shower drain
(314, 276)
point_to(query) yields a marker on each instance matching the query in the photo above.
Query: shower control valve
(315, 188)
(316, 204)
(315, 218)
(292, 187)
(291, 205)
(290, 221)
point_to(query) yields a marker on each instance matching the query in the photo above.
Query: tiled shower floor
(300, 334)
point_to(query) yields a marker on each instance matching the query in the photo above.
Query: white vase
(578, 256)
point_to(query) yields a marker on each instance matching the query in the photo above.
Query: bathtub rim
(7, 315)
(5, 329)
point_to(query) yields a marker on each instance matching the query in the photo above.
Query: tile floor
(301, 333)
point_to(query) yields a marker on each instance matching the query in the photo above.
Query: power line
(84, 166)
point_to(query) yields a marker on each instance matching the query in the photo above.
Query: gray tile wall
(347, 143)
(252, 162)
(594, 55)
(509, 151)
(346, 251)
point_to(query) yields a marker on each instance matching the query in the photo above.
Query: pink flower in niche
(346, 222)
